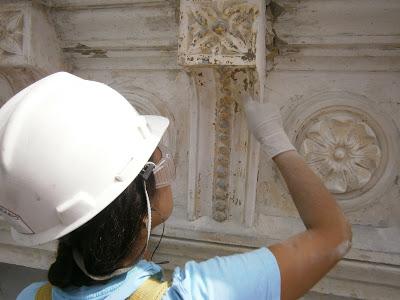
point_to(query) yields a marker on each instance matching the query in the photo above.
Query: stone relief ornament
(11, 26)
(222, 150)
(222, 29)
(343, 150)
(220, 32)
(226, 38)
(349, 141)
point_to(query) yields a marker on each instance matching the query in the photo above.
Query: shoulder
(251, 275)
(30, 291)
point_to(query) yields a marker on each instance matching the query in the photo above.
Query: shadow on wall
(13, 279)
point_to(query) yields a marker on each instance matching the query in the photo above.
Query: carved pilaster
(223, 131)
(227, 40)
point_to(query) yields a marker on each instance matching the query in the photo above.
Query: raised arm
(304, 258)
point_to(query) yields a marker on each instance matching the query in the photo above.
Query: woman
(80, 165)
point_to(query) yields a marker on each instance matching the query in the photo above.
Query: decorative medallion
(219, 32)
(342, 149)
(222, 30)
(350, 141)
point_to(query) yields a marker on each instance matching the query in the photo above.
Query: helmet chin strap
(81, 264)
(148, 213)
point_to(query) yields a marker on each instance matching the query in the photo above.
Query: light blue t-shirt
(252, 275)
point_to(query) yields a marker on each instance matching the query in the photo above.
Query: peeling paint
(276, 9)
(273, 42)
(86, 50)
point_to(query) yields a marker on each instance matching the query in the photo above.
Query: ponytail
(63, 272)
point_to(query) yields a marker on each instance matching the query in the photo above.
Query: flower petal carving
(362, 174)
(335, 182)
(314, 147)
(233, 43)
(343, 151)
(204, 16)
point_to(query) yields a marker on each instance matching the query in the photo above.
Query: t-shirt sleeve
(30, 291)
(252, 275)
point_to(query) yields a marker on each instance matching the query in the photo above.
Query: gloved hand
(264, 121)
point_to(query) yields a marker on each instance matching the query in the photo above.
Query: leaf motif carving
(216, 29)
(11, 24)
(14, 23)
(9, 45)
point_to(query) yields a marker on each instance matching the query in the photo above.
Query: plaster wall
(332, 67)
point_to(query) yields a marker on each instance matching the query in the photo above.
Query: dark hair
(105, 240)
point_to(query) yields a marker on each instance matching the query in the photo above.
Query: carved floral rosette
(343, 150)
(349, 141)
(218, 32)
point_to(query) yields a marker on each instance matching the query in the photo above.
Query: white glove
(264, 121)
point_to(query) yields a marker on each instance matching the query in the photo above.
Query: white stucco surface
(333, 67)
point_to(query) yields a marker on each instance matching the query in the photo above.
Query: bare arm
(305, 258)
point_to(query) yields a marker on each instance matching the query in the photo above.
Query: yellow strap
(151, 289)
(44, 292)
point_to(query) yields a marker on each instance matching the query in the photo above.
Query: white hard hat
(68, 147)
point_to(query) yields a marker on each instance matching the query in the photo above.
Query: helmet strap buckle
(147, 170)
